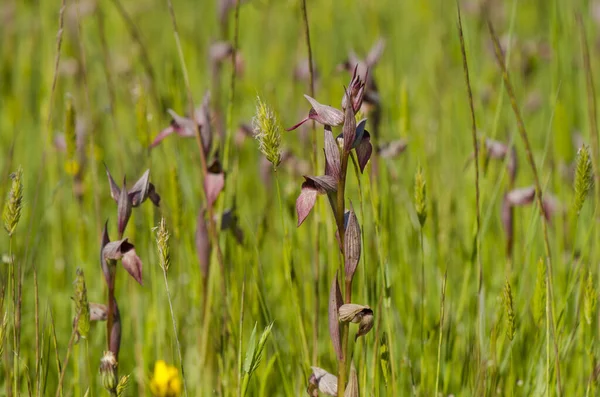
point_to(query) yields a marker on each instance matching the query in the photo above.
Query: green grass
(423, 97)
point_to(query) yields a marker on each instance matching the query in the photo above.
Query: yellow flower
(165, 382)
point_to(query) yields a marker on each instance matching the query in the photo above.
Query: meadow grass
(481, 276)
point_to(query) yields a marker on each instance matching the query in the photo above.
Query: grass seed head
(420, 196)
(162, 243)
(71, 166)
(82, 307)
(509, 311)
(122, 385)
(267, 130)
(14, 205)
(590, 299)
(584, 180)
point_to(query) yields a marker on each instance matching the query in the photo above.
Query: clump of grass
(253, 356)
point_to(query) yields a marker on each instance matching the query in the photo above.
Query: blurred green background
(119, 66)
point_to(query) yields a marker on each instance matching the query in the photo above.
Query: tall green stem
(339, 217)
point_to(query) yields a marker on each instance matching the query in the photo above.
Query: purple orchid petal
(162, 135)
(364, 150)
(214, 182)
(133, 264)
(332, 155)
(324, 114)
(521, 196)
(306, 201)
(349, 129)
(323, 183)
(298, 125)
(360, 130)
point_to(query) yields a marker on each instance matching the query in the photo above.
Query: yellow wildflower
(166, 381)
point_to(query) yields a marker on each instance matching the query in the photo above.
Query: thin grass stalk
(315, 161)
(76, 370)
(240, 341)
(339, 216)
(480, 298)
(538, 191)
(88, 366)
(422, 254)
(59, 388)
(162, 242)
(55, 343)
(175, 334)
(439, 352)
(14, 288)
(36, 300)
